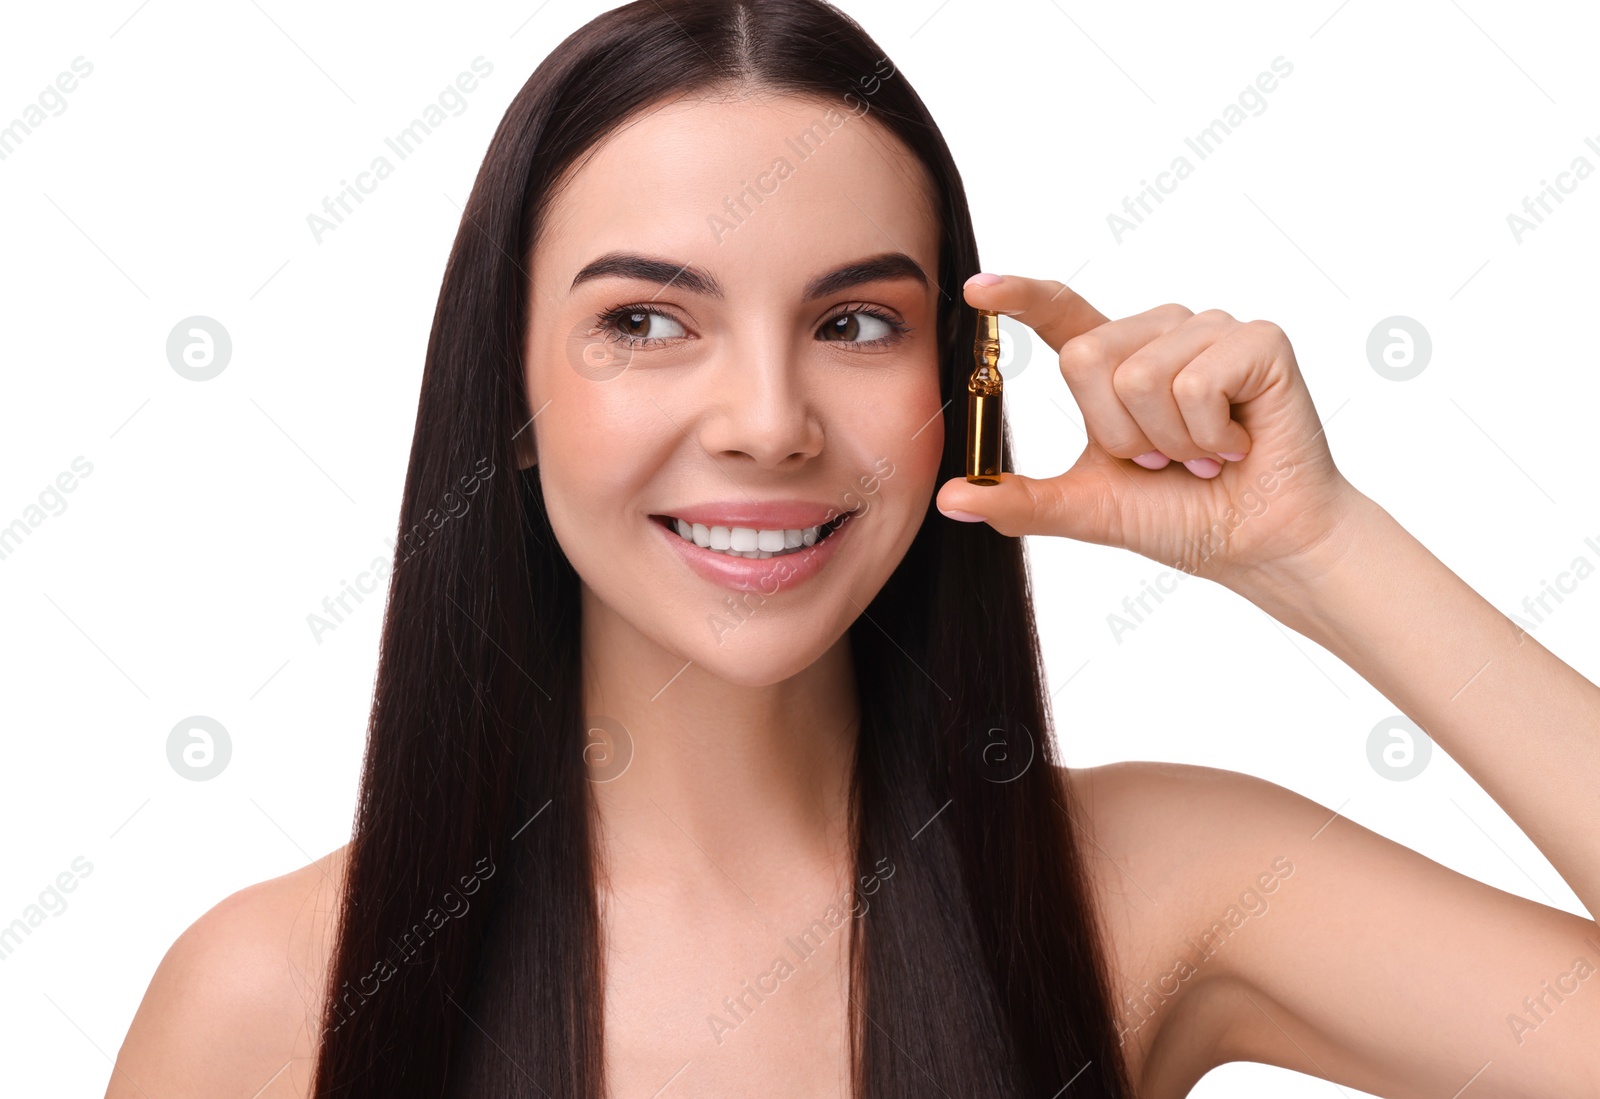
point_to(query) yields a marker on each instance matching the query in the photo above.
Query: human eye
(636, 325)
(863, 326)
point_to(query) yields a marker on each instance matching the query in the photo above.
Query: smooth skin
(1367, 964)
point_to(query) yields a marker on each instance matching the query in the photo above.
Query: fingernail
(962, 516)
(1152, 459)
(1203, 467)
(1230, 457)
(983, 278)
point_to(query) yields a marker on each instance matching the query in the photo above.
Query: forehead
(767, 190)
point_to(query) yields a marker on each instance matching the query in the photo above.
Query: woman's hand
(1225, 398)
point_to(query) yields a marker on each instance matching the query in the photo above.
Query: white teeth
(747, 541)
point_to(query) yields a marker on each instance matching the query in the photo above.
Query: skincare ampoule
(983, 403)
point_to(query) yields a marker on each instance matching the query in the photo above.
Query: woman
(708, 758)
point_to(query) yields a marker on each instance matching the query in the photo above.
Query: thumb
(1077, 504)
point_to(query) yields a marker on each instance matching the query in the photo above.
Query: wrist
(1303, 588)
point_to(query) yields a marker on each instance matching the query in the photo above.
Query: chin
(755, 657)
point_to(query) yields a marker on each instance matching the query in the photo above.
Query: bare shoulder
(1179, 819)
(233, 1007)
(1180, 859)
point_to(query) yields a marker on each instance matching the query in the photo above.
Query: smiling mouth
(751, 542)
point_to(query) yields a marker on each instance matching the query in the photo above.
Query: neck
(714, 777)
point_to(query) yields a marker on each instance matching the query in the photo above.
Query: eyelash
(607, 319)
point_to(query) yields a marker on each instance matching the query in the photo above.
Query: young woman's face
(733, 334)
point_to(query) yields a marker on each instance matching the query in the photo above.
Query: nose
(761, 408)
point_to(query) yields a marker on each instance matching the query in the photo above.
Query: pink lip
(767, 575)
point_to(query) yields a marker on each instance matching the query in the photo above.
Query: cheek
(896, 444)
(909, 427)
(597, 448)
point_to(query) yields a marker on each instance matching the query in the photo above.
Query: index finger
(1049, 307)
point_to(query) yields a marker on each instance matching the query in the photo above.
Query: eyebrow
(632, 265)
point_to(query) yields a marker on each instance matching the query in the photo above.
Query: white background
(217, 516)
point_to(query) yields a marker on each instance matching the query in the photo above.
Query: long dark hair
(467, 946)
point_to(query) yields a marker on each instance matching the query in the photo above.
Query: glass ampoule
(983, 402)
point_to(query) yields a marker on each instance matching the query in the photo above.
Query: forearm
(1521, 722)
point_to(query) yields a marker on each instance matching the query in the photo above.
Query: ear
(526, 449)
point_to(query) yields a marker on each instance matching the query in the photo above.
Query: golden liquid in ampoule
(983, 403)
